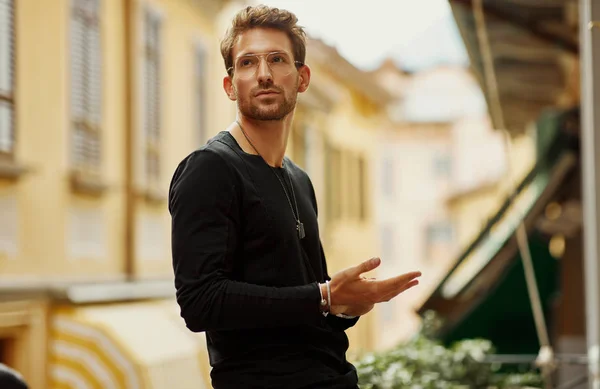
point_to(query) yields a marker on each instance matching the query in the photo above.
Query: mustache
(266, 86)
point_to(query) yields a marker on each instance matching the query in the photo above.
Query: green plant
(425, 363)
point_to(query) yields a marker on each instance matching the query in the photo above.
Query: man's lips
(267, 93)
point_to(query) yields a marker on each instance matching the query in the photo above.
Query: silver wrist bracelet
(325, 311)
(328, 294)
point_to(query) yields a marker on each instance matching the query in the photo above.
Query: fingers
(398, 281)
(391, 287)
(348, 287)
(364, 267)
(401, 290)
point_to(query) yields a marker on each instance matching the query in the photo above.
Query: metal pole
(589, 21)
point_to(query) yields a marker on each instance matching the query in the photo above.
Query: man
(10, 378)
(249, 265)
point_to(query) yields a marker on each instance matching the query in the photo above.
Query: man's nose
(263, 73)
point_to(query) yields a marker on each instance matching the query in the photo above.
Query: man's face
(262, 90)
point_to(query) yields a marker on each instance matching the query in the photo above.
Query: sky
(417, 34)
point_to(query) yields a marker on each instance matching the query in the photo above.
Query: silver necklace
(296, 212)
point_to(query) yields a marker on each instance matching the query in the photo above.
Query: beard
(275, 110)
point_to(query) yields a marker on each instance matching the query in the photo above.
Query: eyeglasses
(279, 64)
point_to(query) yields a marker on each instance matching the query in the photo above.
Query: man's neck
(268, 137)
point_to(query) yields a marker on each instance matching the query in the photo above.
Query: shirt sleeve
(204, 208)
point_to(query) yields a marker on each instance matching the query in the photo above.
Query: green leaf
(424, 363)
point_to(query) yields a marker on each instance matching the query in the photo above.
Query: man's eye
(277, 58)
(246, 62)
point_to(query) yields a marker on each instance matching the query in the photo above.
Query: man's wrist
(324, 305)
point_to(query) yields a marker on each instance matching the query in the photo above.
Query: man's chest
(278, 233)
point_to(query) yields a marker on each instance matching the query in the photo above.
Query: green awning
(485, 294)
(504, 316)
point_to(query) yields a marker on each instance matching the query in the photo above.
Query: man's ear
(304, 74)
(228, 88)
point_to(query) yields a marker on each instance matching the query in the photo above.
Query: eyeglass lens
(279, 64)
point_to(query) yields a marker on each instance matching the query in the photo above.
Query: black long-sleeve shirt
(245, 278)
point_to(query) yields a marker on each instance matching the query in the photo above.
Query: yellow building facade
(99, 101)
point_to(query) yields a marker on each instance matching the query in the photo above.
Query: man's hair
(263, 16)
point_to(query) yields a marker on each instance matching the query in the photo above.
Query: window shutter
(362, 188)
(152, 65)
(201, 108)
(7, 59)
(86, 84)
(78, 72)
(94, 87)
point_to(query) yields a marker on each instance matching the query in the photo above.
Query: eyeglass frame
(298, 64)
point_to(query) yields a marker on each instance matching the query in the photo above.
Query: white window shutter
(7, 59)
(152, 98)
(86, 84)
(200, 93)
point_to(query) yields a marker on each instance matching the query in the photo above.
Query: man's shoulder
(200, 161)
(211, 163)
(222, 145)
(294, 167)
(296, 170)
(215, 154)
(206, 171)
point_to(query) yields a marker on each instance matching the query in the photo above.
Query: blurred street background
(440, 135)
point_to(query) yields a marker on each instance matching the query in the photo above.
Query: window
(7, 351)
(311, 164)
(439, 233)
(439, 240)
(3, 347)
(333, 181)
(362, 188)
(86, 234)
(7, 62)
(388, 312)
(349, 193)
(86, 86)
(388, 252)
(151, 241)
(299, 144)
(350, 178)
(304, 147)
(387, 178)
(152, 97)
(9, 223)
(200, 94)
(442, 165)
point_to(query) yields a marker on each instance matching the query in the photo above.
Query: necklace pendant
(300, 229)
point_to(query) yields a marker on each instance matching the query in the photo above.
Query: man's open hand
(353, 294)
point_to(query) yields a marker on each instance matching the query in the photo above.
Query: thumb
(365, 266)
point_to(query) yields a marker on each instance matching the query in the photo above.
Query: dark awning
(534, 47)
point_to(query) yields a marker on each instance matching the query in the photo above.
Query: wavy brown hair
(263, 16)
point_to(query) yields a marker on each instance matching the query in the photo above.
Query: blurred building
(99, 101)
(472, 206)
(439, 142)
